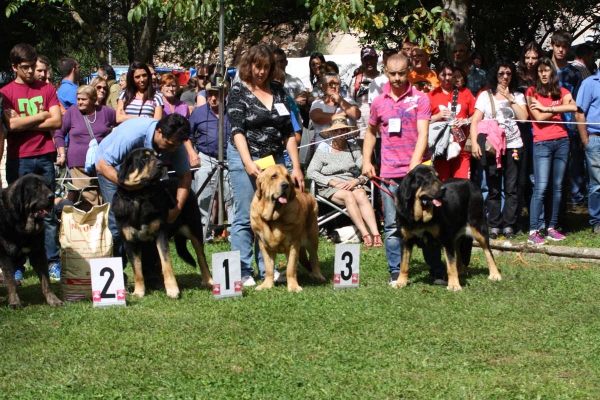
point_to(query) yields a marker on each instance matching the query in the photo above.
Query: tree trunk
(458, 12)
(145, 49)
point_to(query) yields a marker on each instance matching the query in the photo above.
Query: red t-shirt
(29, 100)
(465, 106)
(547, 131)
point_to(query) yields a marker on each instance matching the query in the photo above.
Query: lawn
(535, 334)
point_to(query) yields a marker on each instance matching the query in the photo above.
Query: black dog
(449, 213)
(23, 206)
(141, 216)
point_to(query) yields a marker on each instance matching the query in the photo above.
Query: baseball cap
(368, 51)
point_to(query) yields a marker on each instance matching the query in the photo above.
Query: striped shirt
(397, 148)
(133, 108)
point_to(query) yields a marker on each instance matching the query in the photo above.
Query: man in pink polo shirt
(402, 116)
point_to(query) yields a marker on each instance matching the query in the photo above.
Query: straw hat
(337, 123)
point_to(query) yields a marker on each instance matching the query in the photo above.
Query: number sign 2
(227, 275)
(346, 266)
(108, 287)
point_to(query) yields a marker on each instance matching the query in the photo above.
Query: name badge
(281, 110)
(394, 125)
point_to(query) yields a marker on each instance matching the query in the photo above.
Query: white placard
(108, 287)
(227, 274)
(394, 125)
(346, 269)
(281, 110)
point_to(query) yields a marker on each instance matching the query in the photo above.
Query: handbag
(90, 155)
(439, 134)
(482, 127)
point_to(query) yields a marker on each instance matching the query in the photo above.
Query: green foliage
(380, 22)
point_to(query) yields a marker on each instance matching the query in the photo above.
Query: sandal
(367, 241)
(377, 241)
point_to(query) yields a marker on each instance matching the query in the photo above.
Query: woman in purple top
(169, 86)
(101, 120)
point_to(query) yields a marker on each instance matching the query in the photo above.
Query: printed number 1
(111, 276)
(348, 255)
(226, 266)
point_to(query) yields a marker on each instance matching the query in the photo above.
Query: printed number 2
(348, 255)
(226, 266)
(111, 276)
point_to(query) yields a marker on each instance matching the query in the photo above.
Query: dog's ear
(16, 198)
(405, 196)
(260, 181)
(292, 187)
(124, 169)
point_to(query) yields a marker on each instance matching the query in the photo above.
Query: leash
(391, 183)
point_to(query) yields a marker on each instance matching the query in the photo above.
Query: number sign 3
(347, 266)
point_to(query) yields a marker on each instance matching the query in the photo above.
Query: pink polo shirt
(397, 148)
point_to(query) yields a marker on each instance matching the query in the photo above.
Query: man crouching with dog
(165, 137)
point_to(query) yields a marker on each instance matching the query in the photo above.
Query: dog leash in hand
(391, 183)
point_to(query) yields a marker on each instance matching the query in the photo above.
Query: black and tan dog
(284, 220)
(23, 206)
(141, 216)
(450, 213)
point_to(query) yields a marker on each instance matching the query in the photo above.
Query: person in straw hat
(336, 169)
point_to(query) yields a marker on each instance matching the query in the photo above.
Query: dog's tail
(182, 250)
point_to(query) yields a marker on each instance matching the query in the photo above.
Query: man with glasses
(67, 92)
(108, 74)
(31, 113)
(204, 74)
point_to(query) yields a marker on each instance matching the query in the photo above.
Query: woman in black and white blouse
(261, 126)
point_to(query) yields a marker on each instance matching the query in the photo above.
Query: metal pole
(223, 72)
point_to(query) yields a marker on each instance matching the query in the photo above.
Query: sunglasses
(507, 73)
(101, 87)
(201, 76)
(334, 85)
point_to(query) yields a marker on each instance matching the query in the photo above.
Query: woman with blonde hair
(101, 87)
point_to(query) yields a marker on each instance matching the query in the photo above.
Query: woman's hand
(443, 115)
(475, 149)
(348, 185)
(252, 169)
(61, 160)
(536, 105)
(504, 92)
(298, 177)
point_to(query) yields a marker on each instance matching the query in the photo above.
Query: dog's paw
(54, 301)
(495, 277)
(173, 293)
(139, 293)
(454, 288)
(294, 288)
(207, 283)
(16, 306)
(318, 277)
(264, 285)
(399, 284)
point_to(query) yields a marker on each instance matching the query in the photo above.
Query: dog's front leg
(269, 259)
(201, 257)
(9, 281)
(39, 262)
(403, 277)
(162, 244)
(134, 253)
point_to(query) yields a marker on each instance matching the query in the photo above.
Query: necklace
(95, 116)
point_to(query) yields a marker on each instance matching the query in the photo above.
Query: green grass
(533, 335)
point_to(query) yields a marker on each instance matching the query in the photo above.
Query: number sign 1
(227, 275)
(108, 287)
(346, 267)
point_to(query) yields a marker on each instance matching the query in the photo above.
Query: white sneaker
(248, 281)
(280, 278)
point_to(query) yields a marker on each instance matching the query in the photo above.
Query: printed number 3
(111, 276)
(348, 255)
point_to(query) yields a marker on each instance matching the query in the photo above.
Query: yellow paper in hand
(265, 162)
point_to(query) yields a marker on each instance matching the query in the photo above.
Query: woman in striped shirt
(139, 99)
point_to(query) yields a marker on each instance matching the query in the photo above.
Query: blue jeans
(577, 169)
(549, 164)
(108, 190)
(44, 167)
(242, 237)
(393, 243)
(592, 157)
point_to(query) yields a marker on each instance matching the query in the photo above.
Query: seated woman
(336, 168)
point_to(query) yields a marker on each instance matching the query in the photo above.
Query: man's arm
(421, 146)
(2, 137)
(582, 127)
(368, 147)
(42, 121)
(184, 184)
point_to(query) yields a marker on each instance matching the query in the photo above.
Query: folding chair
(337, 210)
